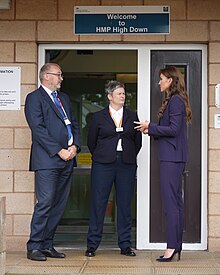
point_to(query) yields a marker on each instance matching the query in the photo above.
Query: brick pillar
(2, 236)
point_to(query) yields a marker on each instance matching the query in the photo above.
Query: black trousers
(102, 178)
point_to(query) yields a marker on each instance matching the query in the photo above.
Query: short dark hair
(112, 85)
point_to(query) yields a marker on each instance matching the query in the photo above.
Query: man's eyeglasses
(60, 75)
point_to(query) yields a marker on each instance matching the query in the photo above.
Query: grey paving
(110, 262)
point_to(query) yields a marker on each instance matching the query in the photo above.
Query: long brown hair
(177, 87)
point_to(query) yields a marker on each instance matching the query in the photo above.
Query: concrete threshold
(112, 262)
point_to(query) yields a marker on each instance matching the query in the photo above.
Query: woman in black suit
(114, 145)
(171, 132)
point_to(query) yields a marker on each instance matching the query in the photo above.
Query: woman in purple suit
(171, 132)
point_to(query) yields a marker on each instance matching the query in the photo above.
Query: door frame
(143, 106)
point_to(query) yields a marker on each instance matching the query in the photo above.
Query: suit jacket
(171, 132)
(49, 132)
(103, 138)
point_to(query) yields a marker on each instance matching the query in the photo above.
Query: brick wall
(2, 235)
(30, 22)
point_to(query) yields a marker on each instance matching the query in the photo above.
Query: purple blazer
(171, 132)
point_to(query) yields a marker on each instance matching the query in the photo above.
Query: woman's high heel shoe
(162, 259)
(179, 254)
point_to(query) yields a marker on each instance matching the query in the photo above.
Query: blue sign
(122, 20)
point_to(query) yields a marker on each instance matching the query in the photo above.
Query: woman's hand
(142, 126)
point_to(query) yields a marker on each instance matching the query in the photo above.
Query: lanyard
(118, 125)
(63, 113)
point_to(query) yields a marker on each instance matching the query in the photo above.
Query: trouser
(171, 193)
(102, 178)
(52, 188)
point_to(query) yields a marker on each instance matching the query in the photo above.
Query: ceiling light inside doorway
(5, 4)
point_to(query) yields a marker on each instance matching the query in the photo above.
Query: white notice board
(10, 85)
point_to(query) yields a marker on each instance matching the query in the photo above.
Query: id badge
(119, 129)
(67, 122)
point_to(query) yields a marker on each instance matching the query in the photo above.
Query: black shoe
(128, 252)
(36, 255)
(162, 259)
(52, 253)
(90, 252)
(177, 251)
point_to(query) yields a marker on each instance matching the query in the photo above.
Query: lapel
(64, 103)
(108, 117)
(47, 98)
(165, 116)
(125, 116)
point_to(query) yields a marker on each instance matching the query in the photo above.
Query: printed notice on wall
(10, 83)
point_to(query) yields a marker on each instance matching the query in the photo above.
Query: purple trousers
(172, 199)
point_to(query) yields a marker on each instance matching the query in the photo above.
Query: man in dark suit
(114, 145)
(55, 144)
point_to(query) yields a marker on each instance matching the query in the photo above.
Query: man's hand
(73, 151)
(67, 154)
(64, 154)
